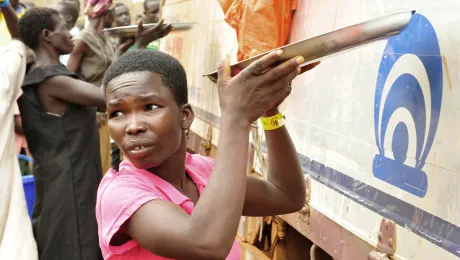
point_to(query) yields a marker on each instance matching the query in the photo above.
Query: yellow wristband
(273, 122)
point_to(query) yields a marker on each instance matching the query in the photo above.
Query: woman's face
(152, 12)
(121, 16)
(144, 118)
(60, 38)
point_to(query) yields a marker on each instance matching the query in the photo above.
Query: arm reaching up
(11, 19)
(209, 232)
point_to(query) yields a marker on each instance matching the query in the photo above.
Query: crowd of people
(82, 100)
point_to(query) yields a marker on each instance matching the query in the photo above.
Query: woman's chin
(144, 163)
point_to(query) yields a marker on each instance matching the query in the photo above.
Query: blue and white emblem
(408, 101)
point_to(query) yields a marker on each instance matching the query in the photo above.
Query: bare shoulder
(61, 81)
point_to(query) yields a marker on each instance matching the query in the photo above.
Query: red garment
(261, 25)
(97, 8)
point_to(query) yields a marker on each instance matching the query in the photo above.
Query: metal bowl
(339, 40)
(130, 30)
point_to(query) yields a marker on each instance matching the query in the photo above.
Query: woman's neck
(173, 169)
(46, 56)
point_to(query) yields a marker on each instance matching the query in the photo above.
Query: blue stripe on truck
(426, 225)
(432, 228)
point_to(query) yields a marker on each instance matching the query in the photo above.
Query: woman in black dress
(59, 121)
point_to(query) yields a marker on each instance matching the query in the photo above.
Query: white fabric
(16, 237)
(65, 58)
(75, 31)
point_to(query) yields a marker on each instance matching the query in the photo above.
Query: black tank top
(67, 170)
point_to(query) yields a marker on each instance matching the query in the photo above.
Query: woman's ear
(187, 116)
(46, 35)
(68, 18)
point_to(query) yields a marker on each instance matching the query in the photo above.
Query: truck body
(375, 127)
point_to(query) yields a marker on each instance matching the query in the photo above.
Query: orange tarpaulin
(260, 25)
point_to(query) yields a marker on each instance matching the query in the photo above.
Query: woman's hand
(260, 87)
(144, 36)
(305, 68)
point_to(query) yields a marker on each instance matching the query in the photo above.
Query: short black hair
(70, 9)
(72, 2)
(145, 3)
(33, 22)
(118, 4)
(171, 71)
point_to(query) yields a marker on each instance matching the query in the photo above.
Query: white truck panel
(335, 112)
(376, 127)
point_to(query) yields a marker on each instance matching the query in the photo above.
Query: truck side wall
(375, 127)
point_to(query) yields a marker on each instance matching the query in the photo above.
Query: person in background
(152, 14)
(69, 12)
(5, 36)
(80, 23)
(92, 55)
(152, 11)
(58, 118)
(121, 16)
(16, 236)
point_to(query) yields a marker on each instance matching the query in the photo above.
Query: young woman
(59, 122)
(164, 203)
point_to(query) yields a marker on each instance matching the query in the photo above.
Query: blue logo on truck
(408, 100)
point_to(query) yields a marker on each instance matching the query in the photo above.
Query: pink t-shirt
(121, 193)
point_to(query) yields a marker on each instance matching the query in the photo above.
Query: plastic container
(29, 190)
